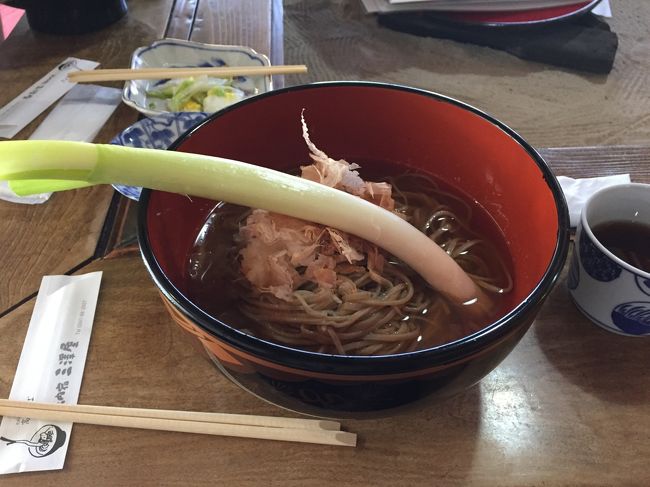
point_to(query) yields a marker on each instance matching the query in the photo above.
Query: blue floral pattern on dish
(633, 317)
(643, 283)
(597, 264)
(158, 132)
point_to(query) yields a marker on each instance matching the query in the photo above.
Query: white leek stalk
(244, 184)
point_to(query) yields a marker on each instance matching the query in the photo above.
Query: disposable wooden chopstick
(245, 426)
(244, 419)
(94, 75)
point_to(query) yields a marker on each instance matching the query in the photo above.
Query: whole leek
(34, 162)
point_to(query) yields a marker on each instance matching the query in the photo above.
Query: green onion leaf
(243, 184)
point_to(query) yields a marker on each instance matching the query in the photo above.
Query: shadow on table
(609, 366)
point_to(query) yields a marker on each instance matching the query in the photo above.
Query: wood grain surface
(64, 232)
(549, 106)
(57, 236)
(238, 22)
(253, 23)
(580, 162)
(52, 238)
(234, 23)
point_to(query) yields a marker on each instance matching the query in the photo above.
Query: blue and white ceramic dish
(157, 132)
(177, 53)
(606, 289)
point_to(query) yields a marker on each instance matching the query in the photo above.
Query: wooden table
(33, 238)
(569, 406)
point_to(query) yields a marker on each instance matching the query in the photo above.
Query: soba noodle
(367, 311)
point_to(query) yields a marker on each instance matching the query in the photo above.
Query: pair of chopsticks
(94, 75)
(324, 432)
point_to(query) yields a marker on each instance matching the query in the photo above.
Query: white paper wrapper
(8, 195)
(50, 370)
(16, 114)
(78, 116)
(603, 9)
(578, 191)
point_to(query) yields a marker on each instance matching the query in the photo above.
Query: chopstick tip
(346, 438)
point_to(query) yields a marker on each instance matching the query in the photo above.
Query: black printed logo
(72, 64)
(44, 442)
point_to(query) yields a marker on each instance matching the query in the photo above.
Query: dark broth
(628, 240)
(214, 282)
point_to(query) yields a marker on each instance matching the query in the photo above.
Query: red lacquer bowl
(362, 121)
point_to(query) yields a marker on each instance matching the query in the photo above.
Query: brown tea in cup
(626, 239)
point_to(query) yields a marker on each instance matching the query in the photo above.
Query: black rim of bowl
(379, 364)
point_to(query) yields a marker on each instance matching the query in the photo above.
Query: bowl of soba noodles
(321, 321)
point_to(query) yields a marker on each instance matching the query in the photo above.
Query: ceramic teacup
(607, 281)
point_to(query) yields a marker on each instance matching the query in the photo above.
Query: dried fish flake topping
(281, 253)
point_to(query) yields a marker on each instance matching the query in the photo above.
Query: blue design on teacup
(573, 279)
(158, 132)
(597, 264)
(633, 317)
(643, 283)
